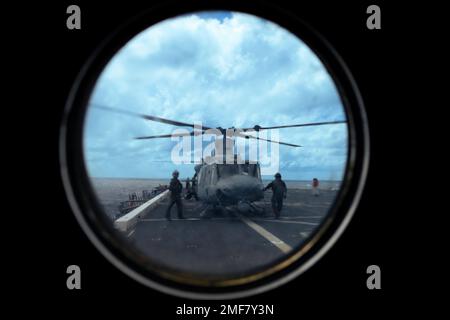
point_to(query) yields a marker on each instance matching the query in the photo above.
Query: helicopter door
(214, 177)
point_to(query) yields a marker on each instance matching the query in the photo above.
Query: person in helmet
(175, 189)
(279, 192)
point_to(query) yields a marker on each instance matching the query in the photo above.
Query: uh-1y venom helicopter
(217, 180)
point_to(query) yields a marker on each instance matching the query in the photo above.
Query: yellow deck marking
(280, 244)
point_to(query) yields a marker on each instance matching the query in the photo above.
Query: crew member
(191, 188)
(188, 184)
(175, 189)
(279, 192)
(315, 187)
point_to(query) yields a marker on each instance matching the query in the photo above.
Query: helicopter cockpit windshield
(237, 169)
(226, 170)
(248, 169)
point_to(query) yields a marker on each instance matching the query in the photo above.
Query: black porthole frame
(86, 208)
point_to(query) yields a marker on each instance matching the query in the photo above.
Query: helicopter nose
(241, 188)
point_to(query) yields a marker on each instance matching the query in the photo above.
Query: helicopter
(219, 182)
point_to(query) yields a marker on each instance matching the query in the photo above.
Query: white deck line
(127, 221)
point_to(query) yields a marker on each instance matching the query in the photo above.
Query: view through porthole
(216, 144)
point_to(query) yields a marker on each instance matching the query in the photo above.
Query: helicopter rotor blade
(259, 128)
(246, 136)
(149, 117)
(171, 162)
(180, 134)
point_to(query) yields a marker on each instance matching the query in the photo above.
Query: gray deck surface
(226, 245)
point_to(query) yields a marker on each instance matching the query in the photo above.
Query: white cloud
(239, 71)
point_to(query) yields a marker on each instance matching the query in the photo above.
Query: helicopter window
(226, 170)
(248, 169)
(251, 168)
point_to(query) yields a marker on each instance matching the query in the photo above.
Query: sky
(223, 69)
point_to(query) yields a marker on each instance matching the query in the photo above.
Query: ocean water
(111, 191)
(303, 184)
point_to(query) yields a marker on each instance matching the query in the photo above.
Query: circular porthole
(214, 154)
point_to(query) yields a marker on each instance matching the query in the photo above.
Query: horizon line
(168, 178)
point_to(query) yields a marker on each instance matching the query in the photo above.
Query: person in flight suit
(175, 189)
(279, 192)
